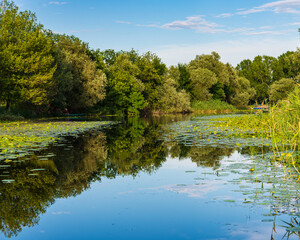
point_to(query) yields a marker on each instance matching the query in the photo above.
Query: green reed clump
(285, 129)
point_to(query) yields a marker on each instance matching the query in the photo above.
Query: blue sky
(177, 30)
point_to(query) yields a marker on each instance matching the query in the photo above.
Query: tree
(265, 70)
(184, 78)
(202, 80)
(26, 60)
(124, 89)
(151, 74)
(280, 89)
(79, 84)
(211, 62)
(172, 100)
(243, 92)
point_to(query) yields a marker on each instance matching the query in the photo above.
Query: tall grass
(284, 123)
(217, 105)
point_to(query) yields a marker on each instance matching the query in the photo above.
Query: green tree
(211, 62)
(26, 60)
(79, 84)
(151, 74)
(243, 92)
(172, 100)
(184, 80)
(124, 89)
(202, 80)
(280, 89)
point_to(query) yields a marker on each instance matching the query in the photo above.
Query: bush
(10, 117)
(212, 105)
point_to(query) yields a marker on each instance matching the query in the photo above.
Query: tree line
(48, 73)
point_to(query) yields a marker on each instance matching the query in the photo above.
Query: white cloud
(285, 6)
(255, 33)
(58, 3)
(230, 51)
(192, 190)
(197, 23)
(294, 24)
(123, 22)
(224, 15)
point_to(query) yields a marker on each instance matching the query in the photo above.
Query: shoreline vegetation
(281, 124)
(47, 74)
(44, 74)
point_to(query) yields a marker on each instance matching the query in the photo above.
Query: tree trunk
(7, 105)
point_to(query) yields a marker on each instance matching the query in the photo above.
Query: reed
(285, 129)
(212, 105)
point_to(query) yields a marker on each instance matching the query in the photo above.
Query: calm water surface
(131, 182)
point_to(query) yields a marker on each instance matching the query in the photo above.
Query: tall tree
(151, 74)
(78, 82)
(26, 60)
(124, 89)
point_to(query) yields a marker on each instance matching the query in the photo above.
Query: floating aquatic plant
(18, 139)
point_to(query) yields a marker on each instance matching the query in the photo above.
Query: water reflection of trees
(127, 149)
(206, 156)
(22, 201)
(134, 147)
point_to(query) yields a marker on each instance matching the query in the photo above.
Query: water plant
(18, 139)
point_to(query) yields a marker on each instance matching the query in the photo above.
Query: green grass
(216, 105)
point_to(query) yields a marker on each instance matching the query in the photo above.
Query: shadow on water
(32, 184)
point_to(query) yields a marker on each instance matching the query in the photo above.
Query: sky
(177, 30)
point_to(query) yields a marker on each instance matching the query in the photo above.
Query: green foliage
(202, 80)
(264, 71)
(171, 100)
(212, 105)
(78, 82)
(280, 89)
(151, 74)
(124, 89)
(212, 79)
(243, 93)
(184, 78)
(26, 60)
(212, 63)
(217, 91)
(10, 117)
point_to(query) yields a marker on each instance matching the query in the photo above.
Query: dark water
(129, 183)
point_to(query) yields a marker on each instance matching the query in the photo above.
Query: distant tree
(202, 80)
(97, 57)
(151, 74)
(78, 82)
(280, 89)
(243, 92)
(124, 89)
(211, 62)
(26, 61)
(172, 100)
(174, 73)
(224, 73)
(184, 78)
(265, 70)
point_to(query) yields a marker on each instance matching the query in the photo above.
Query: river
(137, 180)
